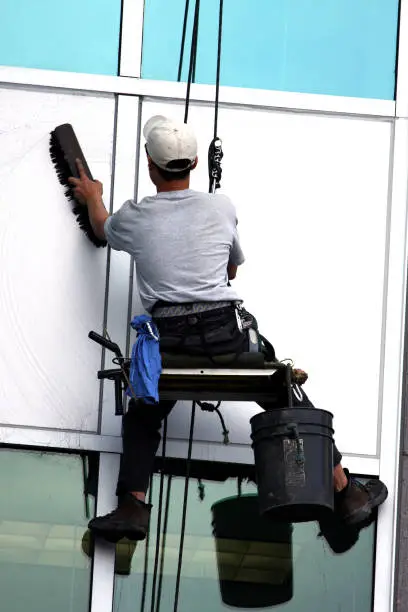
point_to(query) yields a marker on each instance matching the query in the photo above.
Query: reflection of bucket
(293, 450)
(254, 555)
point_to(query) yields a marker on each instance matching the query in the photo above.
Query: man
(186, 248)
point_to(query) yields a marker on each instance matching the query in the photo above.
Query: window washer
(186, 248)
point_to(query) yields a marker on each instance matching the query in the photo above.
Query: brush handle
(72, 149)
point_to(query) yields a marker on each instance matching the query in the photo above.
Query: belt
(163, 310)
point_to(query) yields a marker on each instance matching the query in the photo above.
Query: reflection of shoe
(123, 557)
(357, 501)
(87, 544)
(130, 519)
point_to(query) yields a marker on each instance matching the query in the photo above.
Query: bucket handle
(293, 430)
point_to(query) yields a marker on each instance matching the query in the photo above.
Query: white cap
(168, 140)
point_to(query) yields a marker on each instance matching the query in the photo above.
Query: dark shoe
(130, 520)
(355, 504)
(339, 536)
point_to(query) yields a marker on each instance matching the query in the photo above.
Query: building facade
(314, 123)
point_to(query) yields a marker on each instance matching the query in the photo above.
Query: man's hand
(85, 190)
(232, 271)
(90, 193)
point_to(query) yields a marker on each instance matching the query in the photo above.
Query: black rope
(193, 58)
(146, 556)
(159, 518)
(197, 28)
(85, 476)
(208, 407)
(215, 153)
(163, 543)
(184, 515)
(218, 76)
(183, 40)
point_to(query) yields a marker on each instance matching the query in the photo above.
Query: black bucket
(293, 450)
(254, 555)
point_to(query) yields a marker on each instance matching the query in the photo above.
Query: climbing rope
(146, 556)
(193, 53)
(163, 543)
(183, 40)
(215, 153)
(159, 518)
(208, 407)
(184, 514)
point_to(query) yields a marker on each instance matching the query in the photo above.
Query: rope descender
(215, 155)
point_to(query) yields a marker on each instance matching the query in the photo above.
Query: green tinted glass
(280, 567)
(42, 522)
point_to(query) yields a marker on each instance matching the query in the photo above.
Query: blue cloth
(145, 364)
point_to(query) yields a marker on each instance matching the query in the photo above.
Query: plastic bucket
(293, 450)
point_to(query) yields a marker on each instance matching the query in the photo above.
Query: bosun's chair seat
(246, 377)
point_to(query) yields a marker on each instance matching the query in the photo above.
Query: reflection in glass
(321, 579)
(42, 521)
(254, 555)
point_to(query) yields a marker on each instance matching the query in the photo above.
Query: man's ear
(194, 164)
(149, 161)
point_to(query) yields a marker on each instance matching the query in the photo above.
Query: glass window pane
(345, 48)
(297, 574)
(82, 36)
(42, 522)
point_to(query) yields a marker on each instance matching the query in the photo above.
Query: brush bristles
(63, 174)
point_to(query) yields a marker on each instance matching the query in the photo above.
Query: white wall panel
(120, 269)
(312, 197)
(52, 280)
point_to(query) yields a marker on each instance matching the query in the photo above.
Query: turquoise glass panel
(75, 36)
(345, 48)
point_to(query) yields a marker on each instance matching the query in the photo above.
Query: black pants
(142, 423)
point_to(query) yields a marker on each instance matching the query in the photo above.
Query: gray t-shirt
(182, 242)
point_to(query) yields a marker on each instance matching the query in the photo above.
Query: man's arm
(236, 257)
(89, 193)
